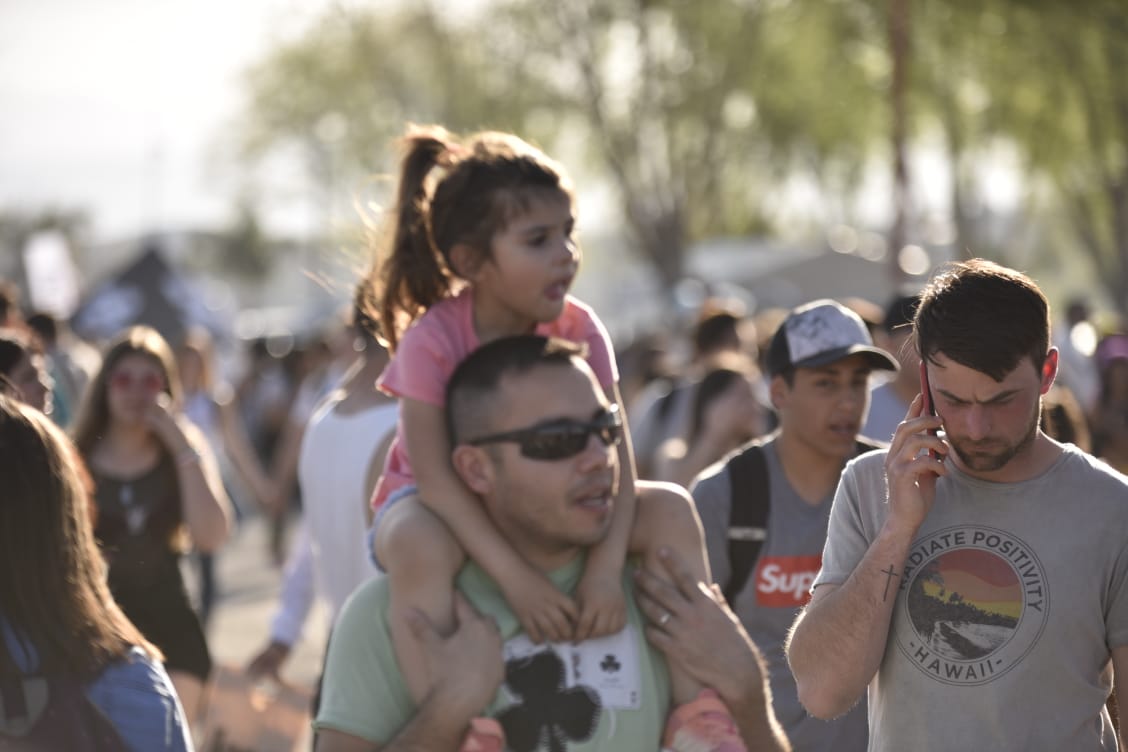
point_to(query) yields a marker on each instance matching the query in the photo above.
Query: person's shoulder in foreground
(59, 625)
(360, 667)
(139, 699)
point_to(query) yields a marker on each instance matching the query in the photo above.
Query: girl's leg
(421, 557)
(665, 517)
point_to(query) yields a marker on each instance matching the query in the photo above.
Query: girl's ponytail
(413, 275)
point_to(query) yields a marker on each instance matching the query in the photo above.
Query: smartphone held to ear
(926, 395)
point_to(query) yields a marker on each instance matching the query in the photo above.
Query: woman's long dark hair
(53, 592)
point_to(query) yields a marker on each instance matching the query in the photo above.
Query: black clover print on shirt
(548, 712)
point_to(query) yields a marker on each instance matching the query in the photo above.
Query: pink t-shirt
(432, 348)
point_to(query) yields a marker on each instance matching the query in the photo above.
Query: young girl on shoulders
(483, 245)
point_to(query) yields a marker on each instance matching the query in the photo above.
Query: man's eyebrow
(1000, 397)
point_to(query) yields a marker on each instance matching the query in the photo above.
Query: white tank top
(332, 470)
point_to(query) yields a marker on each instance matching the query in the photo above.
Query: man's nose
(852, 399)
(976, 422)
(596, 455)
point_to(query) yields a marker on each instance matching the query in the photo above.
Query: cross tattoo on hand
(889, 575)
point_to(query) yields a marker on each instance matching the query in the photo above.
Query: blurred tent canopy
(148, 290)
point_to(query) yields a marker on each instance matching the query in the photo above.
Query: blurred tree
(705, 115)
(244, 249)
(1063, 96)
(952, 95)
(900, 32)
(700, 111)
(1050, 81)
(345, 88)
(697, 111)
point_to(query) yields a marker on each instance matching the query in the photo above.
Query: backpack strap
(53, 713)
(748, 514)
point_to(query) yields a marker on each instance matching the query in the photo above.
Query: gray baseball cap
(822, 332)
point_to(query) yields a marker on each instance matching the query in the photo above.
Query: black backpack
(49, 713)
(749, 504)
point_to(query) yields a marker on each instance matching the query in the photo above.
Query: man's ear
(1049, 369)
(465, 261)
(779, 391)
(474, 467)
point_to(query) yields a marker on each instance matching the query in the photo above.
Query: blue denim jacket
(135, 694)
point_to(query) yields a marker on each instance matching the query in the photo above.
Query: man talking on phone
(981, 594)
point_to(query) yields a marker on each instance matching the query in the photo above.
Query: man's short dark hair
(476, 379)
(983, 316)
(15, 346)
(716, 331)
(45, 326)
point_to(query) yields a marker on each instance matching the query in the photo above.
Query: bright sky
(124, 107)
(121, 106)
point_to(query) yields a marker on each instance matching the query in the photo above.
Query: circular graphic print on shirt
(973, 603)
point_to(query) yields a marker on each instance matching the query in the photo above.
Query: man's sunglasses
(561, 439)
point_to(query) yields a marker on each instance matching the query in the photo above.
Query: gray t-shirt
(776, 591)
(886, 411)
(1010, 601)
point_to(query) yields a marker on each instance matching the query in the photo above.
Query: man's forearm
(429, 732)
(752, 711)
(433, 728)
(837, 643)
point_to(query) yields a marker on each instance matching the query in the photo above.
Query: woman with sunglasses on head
(158, 489)
(483, 246)
(65, 646)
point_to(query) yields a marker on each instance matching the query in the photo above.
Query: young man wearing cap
(765, 509)
(976, 582)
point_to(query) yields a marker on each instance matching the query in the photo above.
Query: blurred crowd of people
(682, 391)
(172, 452)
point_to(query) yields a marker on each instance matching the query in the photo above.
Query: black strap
(66, 720)
(749, 505)
(748, 514)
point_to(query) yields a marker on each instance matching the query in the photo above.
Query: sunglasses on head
(150, 382)
(561, 439)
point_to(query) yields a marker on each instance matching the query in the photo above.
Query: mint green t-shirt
(607, 694)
